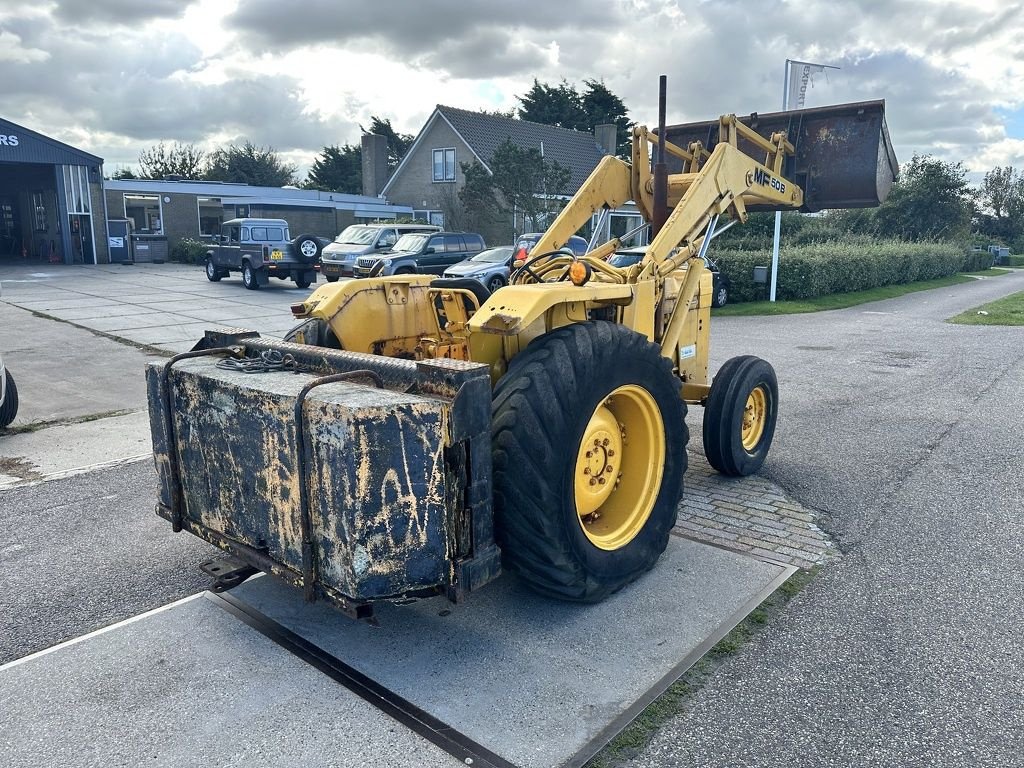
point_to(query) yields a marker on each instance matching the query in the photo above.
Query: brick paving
(749, 515)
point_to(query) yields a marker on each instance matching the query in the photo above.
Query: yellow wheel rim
(755, 414)
(619, 467)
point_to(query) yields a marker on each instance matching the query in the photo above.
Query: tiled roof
(574, 150)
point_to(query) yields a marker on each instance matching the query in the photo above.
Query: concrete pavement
(166, 306)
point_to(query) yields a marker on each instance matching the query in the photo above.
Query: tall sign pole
(805, 69)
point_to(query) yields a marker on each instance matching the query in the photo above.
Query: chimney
(606, 137)
(375, 163)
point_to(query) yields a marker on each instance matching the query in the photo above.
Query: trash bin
(150, 248)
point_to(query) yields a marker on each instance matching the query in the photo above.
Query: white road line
(65, 473)
(101, 631)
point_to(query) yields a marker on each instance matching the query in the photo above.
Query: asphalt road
(906, 432)
(81, 553)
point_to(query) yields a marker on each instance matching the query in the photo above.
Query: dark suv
(425, 252)
(261, 249)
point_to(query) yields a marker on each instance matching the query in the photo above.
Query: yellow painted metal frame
(666, 296)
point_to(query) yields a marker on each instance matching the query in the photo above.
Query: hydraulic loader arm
(608, 186)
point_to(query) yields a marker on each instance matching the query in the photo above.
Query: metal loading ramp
(257, 676)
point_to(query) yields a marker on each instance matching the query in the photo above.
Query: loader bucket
(356, 487)
(843, 159)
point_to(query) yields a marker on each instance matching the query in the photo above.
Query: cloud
(119, 12)
(115, 76)
(461, 39)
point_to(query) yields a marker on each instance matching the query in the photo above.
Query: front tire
(495, 283)
(589, 445)
(331, 278)
(212, 273)
(249, 279)
(721, 297)
(740, 416)
(9, 409)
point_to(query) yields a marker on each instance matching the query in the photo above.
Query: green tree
(185, 160)
(123, 172)
(337, 169)
(560, 105)
(1002, 196)
(249, 164)
(604, 107)
(564, 106)
(931, 201)
(398, 143)
(478, 198)
(527, 182)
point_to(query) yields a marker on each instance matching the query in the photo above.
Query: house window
(144, 211)
(444, 164)
(436, 218)
(211, 215)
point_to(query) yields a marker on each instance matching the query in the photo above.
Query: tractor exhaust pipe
(660, 213)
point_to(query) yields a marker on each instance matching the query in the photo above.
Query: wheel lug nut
(586, 470)
(589, 454)
(593, 481)
(605, 441)
(611, 452)
(608, 468)
(601, 480)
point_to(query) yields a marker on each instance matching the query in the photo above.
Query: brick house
(429, 177)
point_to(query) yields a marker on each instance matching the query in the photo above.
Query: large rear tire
(9, 408)
(589, 446)
(740, 416)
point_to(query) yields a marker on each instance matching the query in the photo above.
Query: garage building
(51, 200)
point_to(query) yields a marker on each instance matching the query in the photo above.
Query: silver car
(490, 267)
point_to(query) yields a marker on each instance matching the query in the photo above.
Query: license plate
(276, 255)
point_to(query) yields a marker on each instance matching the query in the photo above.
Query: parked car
(339, 257)
(720, 283)
(490, 267)
(261, 249)
(525, 243)
(427, 252)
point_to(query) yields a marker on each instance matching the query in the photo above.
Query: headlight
(387, 262)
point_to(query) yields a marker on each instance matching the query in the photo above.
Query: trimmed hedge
(189, 251)
(975, 261)
(821, 269)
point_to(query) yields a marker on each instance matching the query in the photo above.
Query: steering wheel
(533, 260)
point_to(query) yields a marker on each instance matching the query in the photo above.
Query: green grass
(991, 272)
(1008, 310)
(675, 700)
(835, 300)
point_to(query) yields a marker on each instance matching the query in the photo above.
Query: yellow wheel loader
(413, 435)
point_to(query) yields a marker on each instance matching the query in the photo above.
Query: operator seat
(478, 289)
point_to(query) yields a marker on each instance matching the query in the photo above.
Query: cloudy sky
(114, 77)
